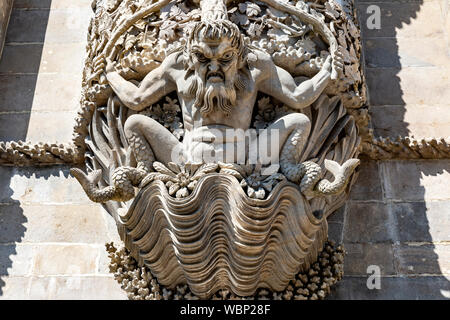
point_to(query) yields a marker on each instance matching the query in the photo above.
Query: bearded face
(216, 78)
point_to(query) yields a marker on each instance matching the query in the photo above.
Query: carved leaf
(158, 166)
(204, 169)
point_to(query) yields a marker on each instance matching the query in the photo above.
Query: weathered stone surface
(49, 25)
(49, 4)
(335, 231)
(12, 222)
(359, 256)
(65, 259)
(57, 93)
(14, 288)
(429, 259)
(48, 126)
(404, 19)
(76, 287)
(368, 185)
(369, 222)
(405, 52)
(422, 221)
(415, 120)
(34, 4)
(428, 288)
(14, 99)
(67, 223)
(24, 58)
(16, 260)
(336, 225)
(36, 127)
(43, 58)
(416, 180)
(44, 186)
(13, 126)
(46, 92)
(419, 86)
(19, 28)
(5, 11)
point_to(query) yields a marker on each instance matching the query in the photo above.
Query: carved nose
(213, 67)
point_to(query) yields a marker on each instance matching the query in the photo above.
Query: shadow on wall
(388, 220)
(19, 66)
(20, 186)
(12, 222)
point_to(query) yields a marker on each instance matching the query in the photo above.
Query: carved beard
(215, 96)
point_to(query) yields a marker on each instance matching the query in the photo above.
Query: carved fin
(341, 175)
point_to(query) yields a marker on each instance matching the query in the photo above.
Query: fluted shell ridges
(219, 238)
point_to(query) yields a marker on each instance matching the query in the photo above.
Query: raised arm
(153, 87)
(279, 84)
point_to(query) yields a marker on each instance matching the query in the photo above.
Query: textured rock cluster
(315, 284)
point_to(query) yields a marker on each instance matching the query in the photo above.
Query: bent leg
(286, 136)
(149, 140)
(289, 133)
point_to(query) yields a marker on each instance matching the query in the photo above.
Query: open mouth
(214, 76)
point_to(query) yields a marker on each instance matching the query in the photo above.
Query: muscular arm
(279, 84)
(153, 87)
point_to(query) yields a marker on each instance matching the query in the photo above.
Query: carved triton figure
(217, 78)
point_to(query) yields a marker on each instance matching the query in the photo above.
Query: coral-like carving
(313, 284)
(26, 154)
(406, 148)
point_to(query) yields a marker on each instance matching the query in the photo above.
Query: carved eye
(227, 56)
(200, 57)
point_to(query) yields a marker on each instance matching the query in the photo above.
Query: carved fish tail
(142, 152)
(341, 177)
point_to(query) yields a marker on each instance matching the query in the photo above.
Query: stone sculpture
(210, 208)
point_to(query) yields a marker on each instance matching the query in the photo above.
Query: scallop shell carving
(219, 238)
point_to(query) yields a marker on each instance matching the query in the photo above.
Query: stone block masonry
(398, 220)
(5, 11)
(52, 239)
(398, 213)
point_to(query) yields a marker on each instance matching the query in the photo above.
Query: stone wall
(52, 238)
(5, 11)
(398, 217)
